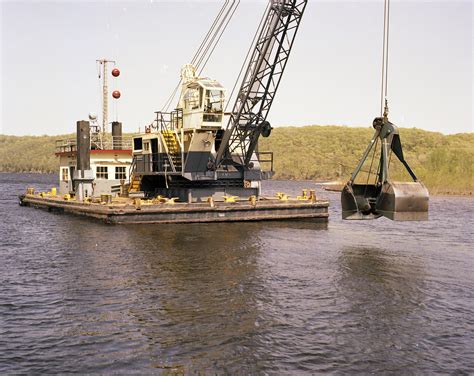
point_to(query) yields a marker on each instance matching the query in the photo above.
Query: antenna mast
(105, 92)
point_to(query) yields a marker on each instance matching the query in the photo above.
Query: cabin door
(72, 169)
(154, 154)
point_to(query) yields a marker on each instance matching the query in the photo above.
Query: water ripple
(77, 296)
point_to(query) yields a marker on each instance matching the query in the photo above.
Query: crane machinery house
(177, 152)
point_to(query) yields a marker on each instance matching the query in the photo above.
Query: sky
(49, 49)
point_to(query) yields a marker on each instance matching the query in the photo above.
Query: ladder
(135, 183)
(173, 149)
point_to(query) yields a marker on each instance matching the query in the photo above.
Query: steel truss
(262, 78)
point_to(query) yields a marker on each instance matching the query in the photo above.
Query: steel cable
(219, 38)
(386, 27)
(251, 48)
(209, 32)
(225, 19)
(206, 43)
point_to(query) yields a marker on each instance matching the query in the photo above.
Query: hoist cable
(370, 168)
(251, 48)
(209, 32)
(219, 38)
(203, 48)
(170, 99)
(216, 32)
(384, 86)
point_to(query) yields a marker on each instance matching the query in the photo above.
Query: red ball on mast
(116, 94)
(115, 72)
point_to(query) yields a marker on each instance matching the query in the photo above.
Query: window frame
(102, 174)
(120, 175)
(64, 173)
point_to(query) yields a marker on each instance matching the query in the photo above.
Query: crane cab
(182, 143)
(202, 102)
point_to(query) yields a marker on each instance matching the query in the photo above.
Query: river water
(377, 297)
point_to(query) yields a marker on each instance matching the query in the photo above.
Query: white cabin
(110, 167)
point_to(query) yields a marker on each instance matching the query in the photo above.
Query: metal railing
(108, 143)
(168, 121)
(265, 158)
(66, 146)
(156, 163)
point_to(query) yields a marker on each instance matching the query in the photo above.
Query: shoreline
(337, 186)
(330, 186)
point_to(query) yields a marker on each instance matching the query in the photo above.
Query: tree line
(319, 153)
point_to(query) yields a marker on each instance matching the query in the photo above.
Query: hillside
(444, 163)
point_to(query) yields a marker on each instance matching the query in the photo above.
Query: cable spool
(266, 129)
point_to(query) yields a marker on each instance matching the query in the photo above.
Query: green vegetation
(443, 163)
(28, 153)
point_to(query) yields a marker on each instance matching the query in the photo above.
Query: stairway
(135, 183)
(174, 153)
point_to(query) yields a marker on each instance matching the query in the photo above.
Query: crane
(193, 153)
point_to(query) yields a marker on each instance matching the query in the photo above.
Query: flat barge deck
(136, 211)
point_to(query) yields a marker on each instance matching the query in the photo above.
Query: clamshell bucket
(407, 201)
(399, 201)
(358, 201)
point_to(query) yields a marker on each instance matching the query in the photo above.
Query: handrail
(171, 122)
(165, 145)
(261, 154)
(131, 169)
(108, 143)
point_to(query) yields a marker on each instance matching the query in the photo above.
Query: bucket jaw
(357, 204)
(399, 201)
(403, 201)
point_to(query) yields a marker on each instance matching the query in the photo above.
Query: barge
(162, 210)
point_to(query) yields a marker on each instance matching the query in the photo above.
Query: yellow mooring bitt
(282, 196)
(230, 199)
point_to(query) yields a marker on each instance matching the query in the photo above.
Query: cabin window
(213, 105)
(120, 173)
(65, 174)
(102, 172)
(137, 143)
(192, 99)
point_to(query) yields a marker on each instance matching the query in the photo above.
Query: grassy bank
(443, 163)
